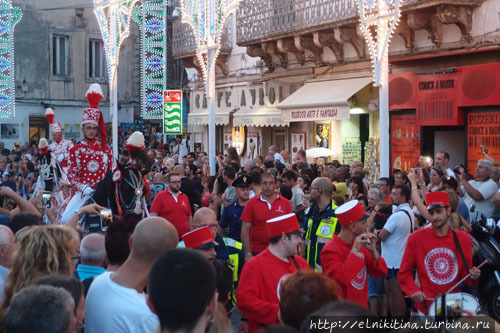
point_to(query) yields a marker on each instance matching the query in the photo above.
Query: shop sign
(405, 142)
(439, 98)
(172, 112)
(483, 128)
(340, 112)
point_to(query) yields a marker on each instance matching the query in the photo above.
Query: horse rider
(91, 158)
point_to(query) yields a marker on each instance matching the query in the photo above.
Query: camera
(457, 169)
(106, 219)
(46, 199)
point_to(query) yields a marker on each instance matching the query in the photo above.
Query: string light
(383, 16)
(119, 12)
(151, 18)
(9, 17)
(207, 19)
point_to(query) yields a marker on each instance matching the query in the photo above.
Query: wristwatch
(79, 213)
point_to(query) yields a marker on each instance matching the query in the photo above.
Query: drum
(454, 304)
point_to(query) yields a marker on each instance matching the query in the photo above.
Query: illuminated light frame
(153, 44)
(9, 17)
(114, 18)
(207, 29)
(384, 16)
(207, 19)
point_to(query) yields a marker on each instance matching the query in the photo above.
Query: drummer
(434, 253)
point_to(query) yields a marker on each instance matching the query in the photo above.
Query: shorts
(392, 272)
(375, 287)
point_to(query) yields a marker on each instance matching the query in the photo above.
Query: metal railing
(183, 43)
(260, 19)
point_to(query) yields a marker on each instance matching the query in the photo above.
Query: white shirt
(278, 157)
(110, 307)
(399, 226)
(297, 197)
(487, 189)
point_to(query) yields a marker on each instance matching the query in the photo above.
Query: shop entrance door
(39, 128)
(452, 142)
(279, 139)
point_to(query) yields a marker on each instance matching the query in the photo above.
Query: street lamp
(114, 17)
(207, 18)
(379, 19)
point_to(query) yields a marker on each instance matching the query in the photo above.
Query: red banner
(438, 98)
(483, 128)
(405, 142)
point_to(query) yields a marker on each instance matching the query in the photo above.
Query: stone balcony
(278, 27)
(184, 46)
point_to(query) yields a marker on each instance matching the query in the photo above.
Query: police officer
(320, 220)
(230, 219)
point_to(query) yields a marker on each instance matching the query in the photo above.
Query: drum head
(455, 304)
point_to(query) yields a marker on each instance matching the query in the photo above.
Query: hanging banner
(253, 144)
(239, 139)
(483, 128)
(172, 112)
(405, 142)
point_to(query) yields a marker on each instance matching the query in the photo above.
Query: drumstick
(465, 277)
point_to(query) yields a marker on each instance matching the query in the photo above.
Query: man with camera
(478, 192)
(434, 253)
(349, 257)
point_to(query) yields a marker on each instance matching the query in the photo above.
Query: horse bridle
(138, 185)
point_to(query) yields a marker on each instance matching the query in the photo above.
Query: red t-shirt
(438, 263)
(388, 200)
(259, 285)
(350, 270)
(174, 211)
(257, 212)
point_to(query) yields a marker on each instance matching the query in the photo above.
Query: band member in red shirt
(257, 211)
(262, 276)
(352, 255)
(434, 253)
(173, 205)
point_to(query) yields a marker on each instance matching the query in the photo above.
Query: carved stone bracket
(406, 32)
(433, 18)
(192, 62)
(327, 39)
(272, 49)
(459, 15)
(425, 19)
(305, 42)
(221, 62)
(349, 34)
(256, 51)
(286, 45)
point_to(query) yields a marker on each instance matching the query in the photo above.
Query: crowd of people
(264, 242)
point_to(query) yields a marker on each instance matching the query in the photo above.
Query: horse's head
(142, 161)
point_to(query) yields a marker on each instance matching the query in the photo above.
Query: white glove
(60, 158)
(88, 191)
